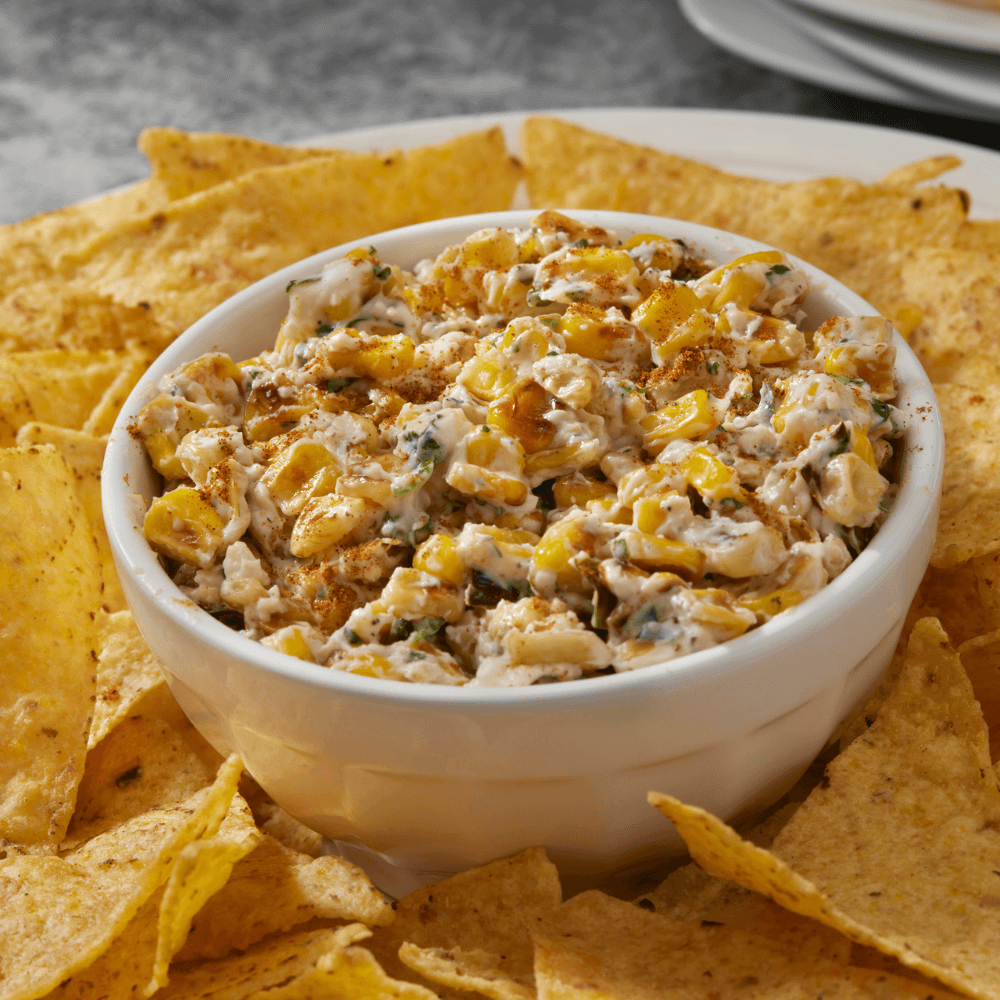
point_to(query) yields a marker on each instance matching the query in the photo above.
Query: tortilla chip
(126, 670)
(851, 230)
(594, 947)
(981, 235)
(59, 914)
(152, 758)
(969, 525)
(134, 363)
(481, 919)
(200, 250)
(49, 587)
(918, 801)
(957, 296)
(136, 962)
(921, 171)
(84, 454)
(287, 830)
(274, 889)
(187, 162)
(981, 660)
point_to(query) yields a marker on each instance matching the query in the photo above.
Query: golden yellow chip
(474, 928)
(982, 235)
(152, 758)
(969, 526)
(59, 914)
(287, 830)
(981, 660)
(186, 162)
(274, 889)
(595, 947)
(956, 298)
(921, 171)
(49, 589)
(917, 799)
(133, 363)
(849, 229)
(198, 251)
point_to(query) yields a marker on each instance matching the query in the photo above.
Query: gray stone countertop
(79, 80)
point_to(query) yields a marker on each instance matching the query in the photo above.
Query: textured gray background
(80, 78)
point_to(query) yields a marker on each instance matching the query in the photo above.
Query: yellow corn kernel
(520, 415)
(739, 287)
(268, 413)
(716, 276)
(862, 447)
(578, 490)
(324, 521)
(717, 482)
(304, 470)
(776, 341)
(605, 506)
(845, 362)
(488, 376)
(648, 514)
(568, 456)
(211, 372)
(292, 643)
(718, 615)
(525, 341)
(407, 595)
(530, 251)
(376, 357)
(670, 306)
(439, 557)
(494, 249)
(183, 525)
(587, 332)
(790, 405)
(379, 491)
(366, 665)
(486, 448)
(533, 521)
(384, 403)
(425, 298)
(664, 256)
(496, 487)
(597, 260)
(655, 552)
(563, 540)
(686, 417)
(162, 444)
(852, 490)
(643, 481)
(551, 221)
(768, 605)
(511, 537)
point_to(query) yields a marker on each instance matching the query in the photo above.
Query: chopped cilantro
(357, 319)
(485, 503)
(301, 281)
(843, 438)
(730, 502)
(352, 637)
(382, 272)
(535, 298)
(322, 329)
(581, 243)
(619, 548)
(848, 381)
(336, 384)
(712, 367)
(777, 269)
(550, 321)
(426, 628)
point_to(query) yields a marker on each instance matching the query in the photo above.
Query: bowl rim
(914, 510)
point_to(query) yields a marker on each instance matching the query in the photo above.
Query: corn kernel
(862, 447)
(410, 594)
(845, 362)
(610, 509)
(520, 415)
(667, 308)
(183, 525)
(588, 332)
(439, 557)
(664, 256)
(768, 605)
(162, 444)
(578, 490)
(562, 541)
(496, 487)
(366, 665)
(717, 483)
(648, 514)
(704, 609)
(324, 521)
(379, 491)
(493, 249)
(212, 372)
(488, 376)
(655, 552)
(687, 417)
(304, 470)
(292, 643)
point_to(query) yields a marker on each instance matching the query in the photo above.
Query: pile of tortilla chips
(134, 860)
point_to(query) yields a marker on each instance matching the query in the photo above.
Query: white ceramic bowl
(413, 781)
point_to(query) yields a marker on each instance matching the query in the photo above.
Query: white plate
(776, 147)
(976, 26)
(955, 74)
(751, 30)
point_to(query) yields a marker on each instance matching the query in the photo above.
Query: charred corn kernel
(493, 249)
(495, 487)
(848, 361)
(670, 306)
(300, 472)
(161, 444)
(768, 605)
(293, 643)
(183, 525)
(379, 491)
(520, 413)
(488, 376)
(324, 521)
(551, 221)
(366, 665)
(656, 552)
(862, 447)
(687, 417)
(411, 594)
(578, 489)
(717, 482)
(648, 514)
(439, 557)
(610, 509)
(562, 541)
(588, 332)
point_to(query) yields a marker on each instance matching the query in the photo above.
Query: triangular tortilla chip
(898, 847)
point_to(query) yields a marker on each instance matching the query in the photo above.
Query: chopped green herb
(301, 281)
(426, 628)
(382, 272)
(619, 549)
(581, 243)
(849, 381)
(352, 637)
(322, 329)
(400, 629)
(777, 269)
(730, 502)
(535, 298)
(414, 654)
(550, 321)
(712, 367)
(357, 319)
(485, 503)
(422, 474)
(843, 438)
(336, 384)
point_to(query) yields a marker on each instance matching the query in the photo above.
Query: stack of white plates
(935, 55)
